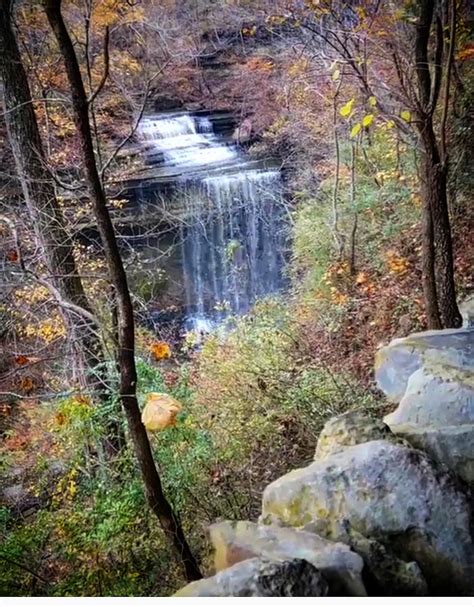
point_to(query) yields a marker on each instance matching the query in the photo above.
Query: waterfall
(232, 240)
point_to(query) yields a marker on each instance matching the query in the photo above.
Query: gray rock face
(261, 578)
(348, 429)
(389, 493)
(235, 541)
(396, 363)
(436, 410)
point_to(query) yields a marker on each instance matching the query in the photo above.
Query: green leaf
(346, 109)
(372, 101)
(356, 129)
(367, 120)
(406, 115)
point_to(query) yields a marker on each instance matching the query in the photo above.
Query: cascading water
(232, 231)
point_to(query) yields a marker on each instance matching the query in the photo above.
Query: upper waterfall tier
(185, 142)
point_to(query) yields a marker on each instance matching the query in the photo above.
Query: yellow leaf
(406, 115)
(390, 124)
(367, 120)
(160, 411)
(346, 109)
(372, 101)
(336, 75)
(356, 129)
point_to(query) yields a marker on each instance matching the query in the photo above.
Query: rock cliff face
(386, 507)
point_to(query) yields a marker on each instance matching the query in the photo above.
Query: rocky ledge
(386, 507)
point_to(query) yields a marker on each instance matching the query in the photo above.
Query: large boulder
(261, 578)
(396, 363)
(436, 410)
(386, 492)
(236, 541)
(348, 429)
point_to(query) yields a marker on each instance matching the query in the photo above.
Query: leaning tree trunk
(435, 198)
(43, 209)
(126, 328)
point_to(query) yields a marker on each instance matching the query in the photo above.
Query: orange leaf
(160, 350)
(21, 360)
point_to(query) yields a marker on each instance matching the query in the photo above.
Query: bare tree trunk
(428, 256)
(338, 237)
(45, 215)
(126, 327)
(355, 219)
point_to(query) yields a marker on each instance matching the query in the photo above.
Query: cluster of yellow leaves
(48, 330)
(396, 263)
(386, 176)
(112, 12)
(66, 487)
(63, 124)
(32, 295)
(118, 203)
(160, 350)
(332, 279)
(124, 63)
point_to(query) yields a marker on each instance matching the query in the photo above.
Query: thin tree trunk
(428, 255)
(126, 329)
(355, 220)
(43, 209)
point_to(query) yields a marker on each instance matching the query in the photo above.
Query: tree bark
(435, 198)
(126, 326)
(428, 253)
(438, 264)
(40, 199)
